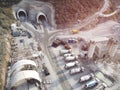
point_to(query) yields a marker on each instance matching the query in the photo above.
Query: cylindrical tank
(91, 49)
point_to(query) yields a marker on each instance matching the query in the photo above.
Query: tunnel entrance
(42, 18)
(22, 16)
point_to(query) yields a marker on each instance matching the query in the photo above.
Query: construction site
(44, 57)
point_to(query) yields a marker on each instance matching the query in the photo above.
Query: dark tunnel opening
(22, 16)
(42, 18)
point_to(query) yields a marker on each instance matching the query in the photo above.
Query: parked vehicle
(75, 31)
(91, 84)
(72, 40)
(67, 46)
(56, 43)
(85, 78)
(63, 42)
(64, 51)
(76, 70)
(101, 86)
(67, 55)
(71, 64)
(71, 58)
(45, 70)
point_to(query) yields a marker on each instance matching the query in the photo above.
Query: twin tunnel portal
(22, 16)
(38, 13)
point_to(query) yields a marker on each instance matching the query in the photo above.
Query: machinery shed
(24, 76)
(21, 64)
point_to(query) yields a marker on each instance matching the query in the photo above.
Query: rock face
(69, 12)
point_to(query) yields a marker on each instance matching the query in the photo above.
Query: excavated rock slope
(69, 12)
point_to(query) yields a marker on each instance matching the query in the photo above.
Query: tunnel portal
(22, 15)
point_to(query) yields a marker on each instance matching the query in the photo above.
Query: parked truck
(71, 58)
(76, 70)
(86, 78)
(71, 64)
(64, 51)
(67, 55)
(91, 84)
(102, 86)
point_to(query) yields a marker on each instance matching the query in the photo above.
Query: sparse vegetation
(68, 12)
(6, 18)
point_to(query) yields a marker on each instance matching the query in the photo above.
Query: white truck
(76, 70)
(71, 58)
(64, 51)
(67, 55)
(86, 78)
(71, 64)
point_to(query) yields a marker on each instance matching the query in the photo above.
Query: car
(76, 70)
(70, 64)
(85, 78)
(91, 84)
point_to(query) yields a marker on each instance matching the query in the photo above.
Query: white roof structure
(22, 76)
(20, 64)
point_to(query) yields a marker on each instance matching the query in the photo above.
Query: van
(71, 64)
